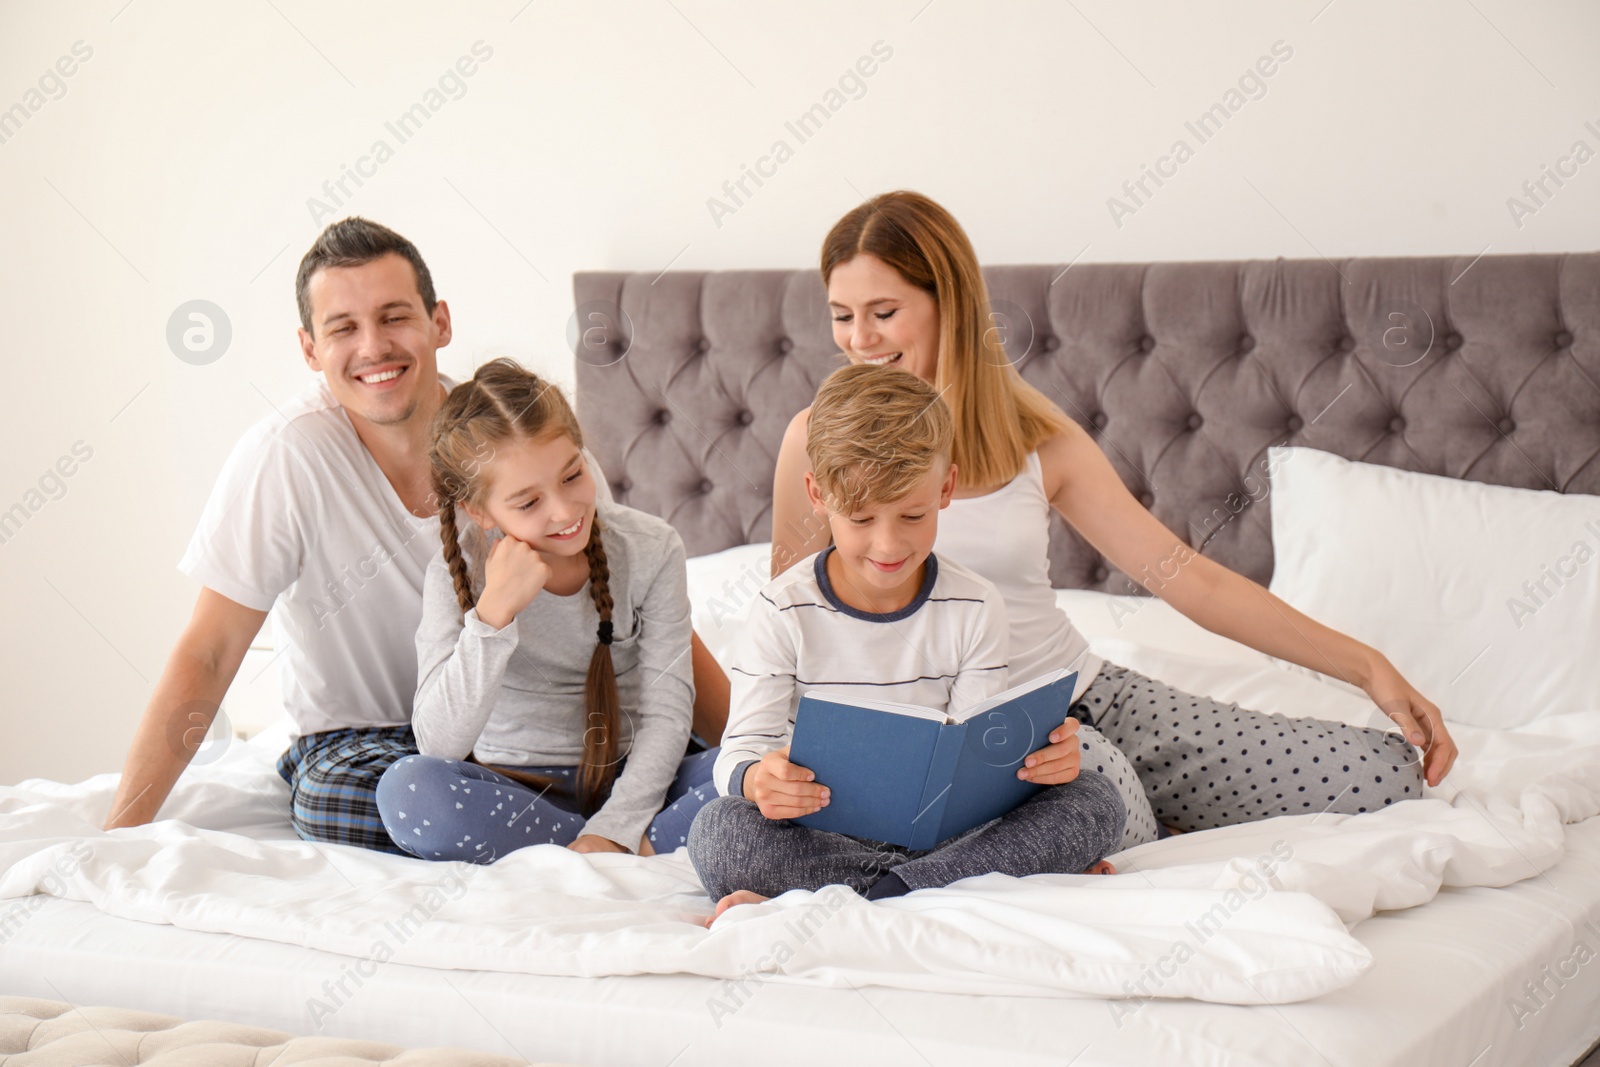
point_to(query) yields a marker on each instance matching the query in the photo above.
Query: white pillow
(722, 586)
(1486, 598)
(1147, 622)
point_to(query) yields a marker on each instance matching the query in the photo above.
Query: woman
(904, 289)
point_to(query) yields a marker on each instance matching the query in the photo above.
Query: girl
(905, 290)
(554, 694)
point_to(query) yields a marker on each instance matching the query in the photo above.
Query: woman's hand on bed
(1417, 716)
(783, 790)
(1056, 763)
(592, 843)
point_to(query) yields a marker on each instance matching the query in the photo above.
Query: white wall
(178, 162)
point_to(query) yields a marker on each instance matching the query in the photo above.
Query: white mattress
(1439, 994)
(1441, 991)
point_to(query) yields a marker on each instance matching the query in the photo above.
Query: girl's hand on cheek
(514, 575)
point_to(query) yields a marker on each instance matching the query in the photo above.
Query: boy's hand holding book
(915, 776)
(1058, 762)
(783, 790)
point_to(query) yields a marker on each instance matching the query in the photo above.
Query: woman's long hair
(501, 403)
(999, 418)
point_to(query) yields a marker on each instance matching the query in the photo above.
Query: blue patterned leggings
(445, 809)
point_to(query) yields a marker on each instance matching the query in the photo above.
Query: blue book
(913, 776)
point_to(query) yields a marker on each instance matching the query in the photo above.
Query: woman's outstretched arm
(1088, 493)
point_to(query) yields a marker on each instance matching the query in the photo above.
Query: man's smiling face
(373, 340)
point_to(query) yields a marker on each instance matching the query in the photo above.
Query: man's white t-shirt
(303, 524)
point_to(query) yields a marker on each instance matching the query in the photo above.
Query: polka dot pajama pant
(445, 809)
(1101, 755)
(1206, 764)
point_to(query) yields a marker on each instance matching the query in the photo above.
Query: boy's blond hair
(874, 433)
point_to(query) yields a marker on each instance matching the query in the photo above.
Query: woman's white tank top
(1005, 536)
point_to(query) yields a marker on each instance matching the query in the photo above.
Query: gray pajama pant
(1206, 764)
(1063, 829)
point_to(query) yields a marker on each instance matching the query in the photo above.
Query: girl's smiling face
(879, 317)
(540, 492)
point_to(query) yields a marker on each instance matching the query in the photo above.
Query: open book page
(917, 711)
(1015, 691)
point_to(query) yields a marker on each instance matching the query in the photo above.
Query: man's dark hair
(353, 242)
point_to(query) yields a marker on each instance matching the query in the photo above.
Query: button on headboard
(1185, 373)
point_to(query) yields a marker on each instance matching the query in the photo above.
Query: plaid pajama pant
(333, 780)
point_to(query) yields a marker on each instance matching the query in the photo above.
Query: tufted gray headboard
(1185, 373)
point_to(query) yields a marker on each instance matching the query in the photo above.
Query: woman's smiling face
(879, 317)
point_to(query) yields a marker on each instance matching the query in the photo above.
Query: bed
(1461, 934)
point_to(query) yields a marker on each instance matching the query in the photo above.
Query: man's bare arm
(186, 698)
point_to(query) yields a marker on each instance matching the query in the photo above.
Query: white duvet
(1245, 915)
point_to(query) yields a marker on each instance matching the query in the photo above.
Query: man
(324, 516)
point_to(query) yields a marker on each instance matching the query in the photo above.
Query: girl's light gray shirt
(515, 696)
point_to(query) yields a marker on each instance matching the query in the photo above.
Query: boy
(878, 613)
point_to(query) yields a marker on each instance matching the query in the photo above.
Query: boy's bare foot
(742, 896)
(1103, 867)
